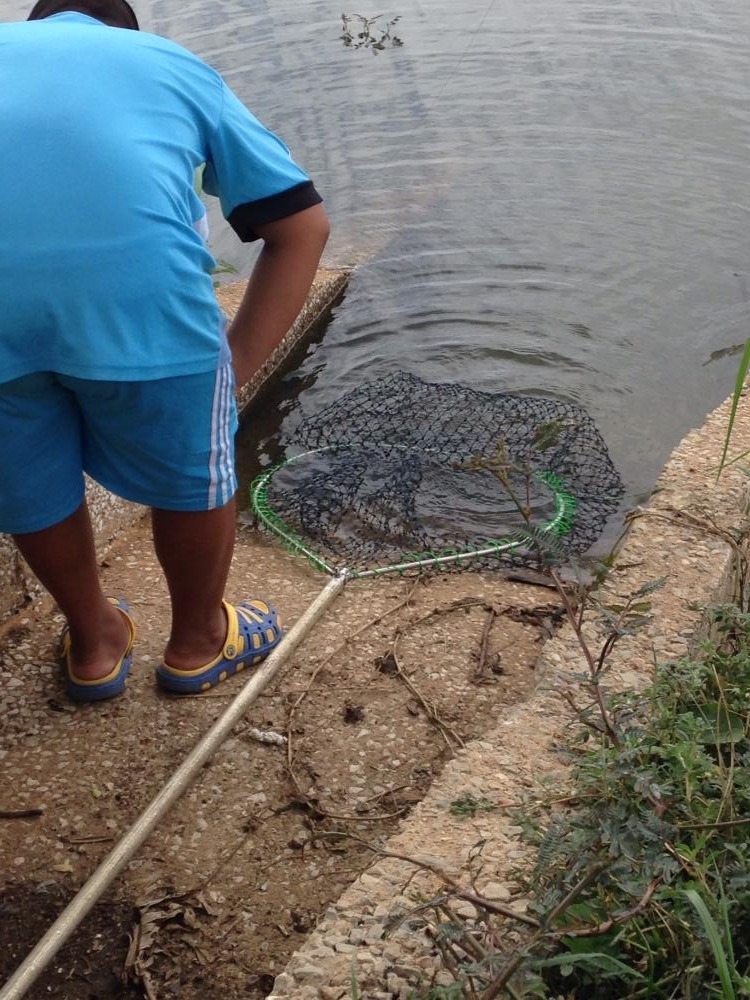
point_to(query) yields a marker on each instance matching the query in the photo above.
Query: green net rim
(558, 525)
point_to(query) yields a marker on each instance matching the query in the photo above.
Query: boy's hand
(277, 288)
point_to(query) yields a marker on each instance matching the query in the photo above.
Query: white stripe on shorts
(220, 470)
(226, 465)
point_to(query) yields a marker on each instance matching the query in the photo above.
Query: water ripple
(544, 197)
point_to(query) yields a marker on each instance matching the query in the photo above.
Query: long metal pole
(181, 779)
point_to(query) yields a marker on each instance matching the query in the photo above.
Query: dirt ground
(396, 676)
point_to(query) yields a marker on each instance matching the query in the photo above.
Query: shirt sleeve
(252, 173)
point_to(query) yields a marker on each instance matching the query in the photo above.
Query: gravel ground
(240, 872)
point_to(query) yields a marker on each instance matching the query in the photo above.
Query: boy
(114, 359)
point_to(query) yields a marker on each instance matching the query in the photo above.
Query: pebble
(496, 892)
(343, 948)
(301, 837)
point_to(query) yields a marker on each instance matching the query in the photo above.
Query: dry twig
(21, 813)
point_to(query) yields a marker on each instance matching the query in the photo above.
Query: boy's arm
(277, 288)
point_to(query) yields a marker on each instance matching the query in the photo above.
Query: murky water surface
(546, 196)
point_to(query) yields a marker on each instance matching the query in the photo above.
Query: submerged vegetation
(374, 33)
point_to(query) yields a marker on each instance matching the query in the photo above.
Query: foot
(252, 630)
(197, 643)
(98, 670)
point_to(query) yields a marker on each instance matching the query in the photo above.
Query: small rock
(283, 983)
(444, 979)
(406, 972)
(301, 838)
(333, 993)
(394, 984)
(496, 892)
(373, 934)
(309, 974)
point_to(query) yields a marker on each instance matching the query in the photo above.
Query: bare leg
(64, 560)
(195, 551)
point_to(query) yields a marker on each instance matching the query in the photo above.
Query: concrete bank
(688, 532)
(110, 514)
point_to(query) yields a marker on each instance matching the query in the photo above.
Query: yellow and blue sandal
(113, 683)
(253, 630)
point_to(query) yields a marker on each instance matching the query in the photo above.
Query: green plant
(223, 267)
(355, 983)
(717, 944)
(663, 816)
(641, 886)
(739, 384)
(470, 805)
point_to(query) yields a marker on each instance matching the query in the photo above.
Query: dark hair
(116, 13)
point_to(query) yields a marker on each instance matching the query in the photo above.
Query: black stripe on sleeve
(245, 218)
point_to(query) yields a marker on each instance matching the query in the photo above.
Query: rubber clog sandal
(253, 630)
(113, 684)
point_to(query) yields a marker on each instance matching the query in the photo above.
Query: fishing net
(401, 473)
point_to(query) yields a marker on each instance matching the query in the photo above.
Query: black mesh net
(401, 471)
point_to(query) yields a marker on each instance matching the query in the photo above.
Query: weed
(360, 32)
(469, 805)
(739, 385)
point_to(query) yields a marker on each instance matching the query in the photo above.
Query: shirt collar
(75, 17)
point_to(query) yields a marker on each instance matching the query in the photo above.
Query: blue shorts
(166, 443)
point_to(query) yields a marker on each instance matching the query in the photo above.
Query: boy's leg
(64, 560)
(42, 506)
(195, 551)
(168, 444)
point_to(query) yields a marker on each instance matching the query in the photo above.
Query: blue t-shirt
(102, 273)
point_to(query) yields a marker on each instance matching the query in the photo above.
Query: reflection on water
(548, 197)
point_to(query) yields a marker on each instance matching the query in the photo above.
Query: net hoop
(558, 525)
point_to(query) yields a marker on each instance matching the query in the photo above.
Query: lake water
(542, 196)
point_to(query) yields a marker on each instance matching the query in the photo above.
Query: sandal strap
(250, 628)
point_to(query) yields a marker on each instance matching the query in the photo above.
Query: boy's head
(116, 13)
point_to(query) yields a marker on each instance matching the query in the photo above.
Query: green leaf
(738, 387)
(595, 960)
(722, 725)
(714, 938)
